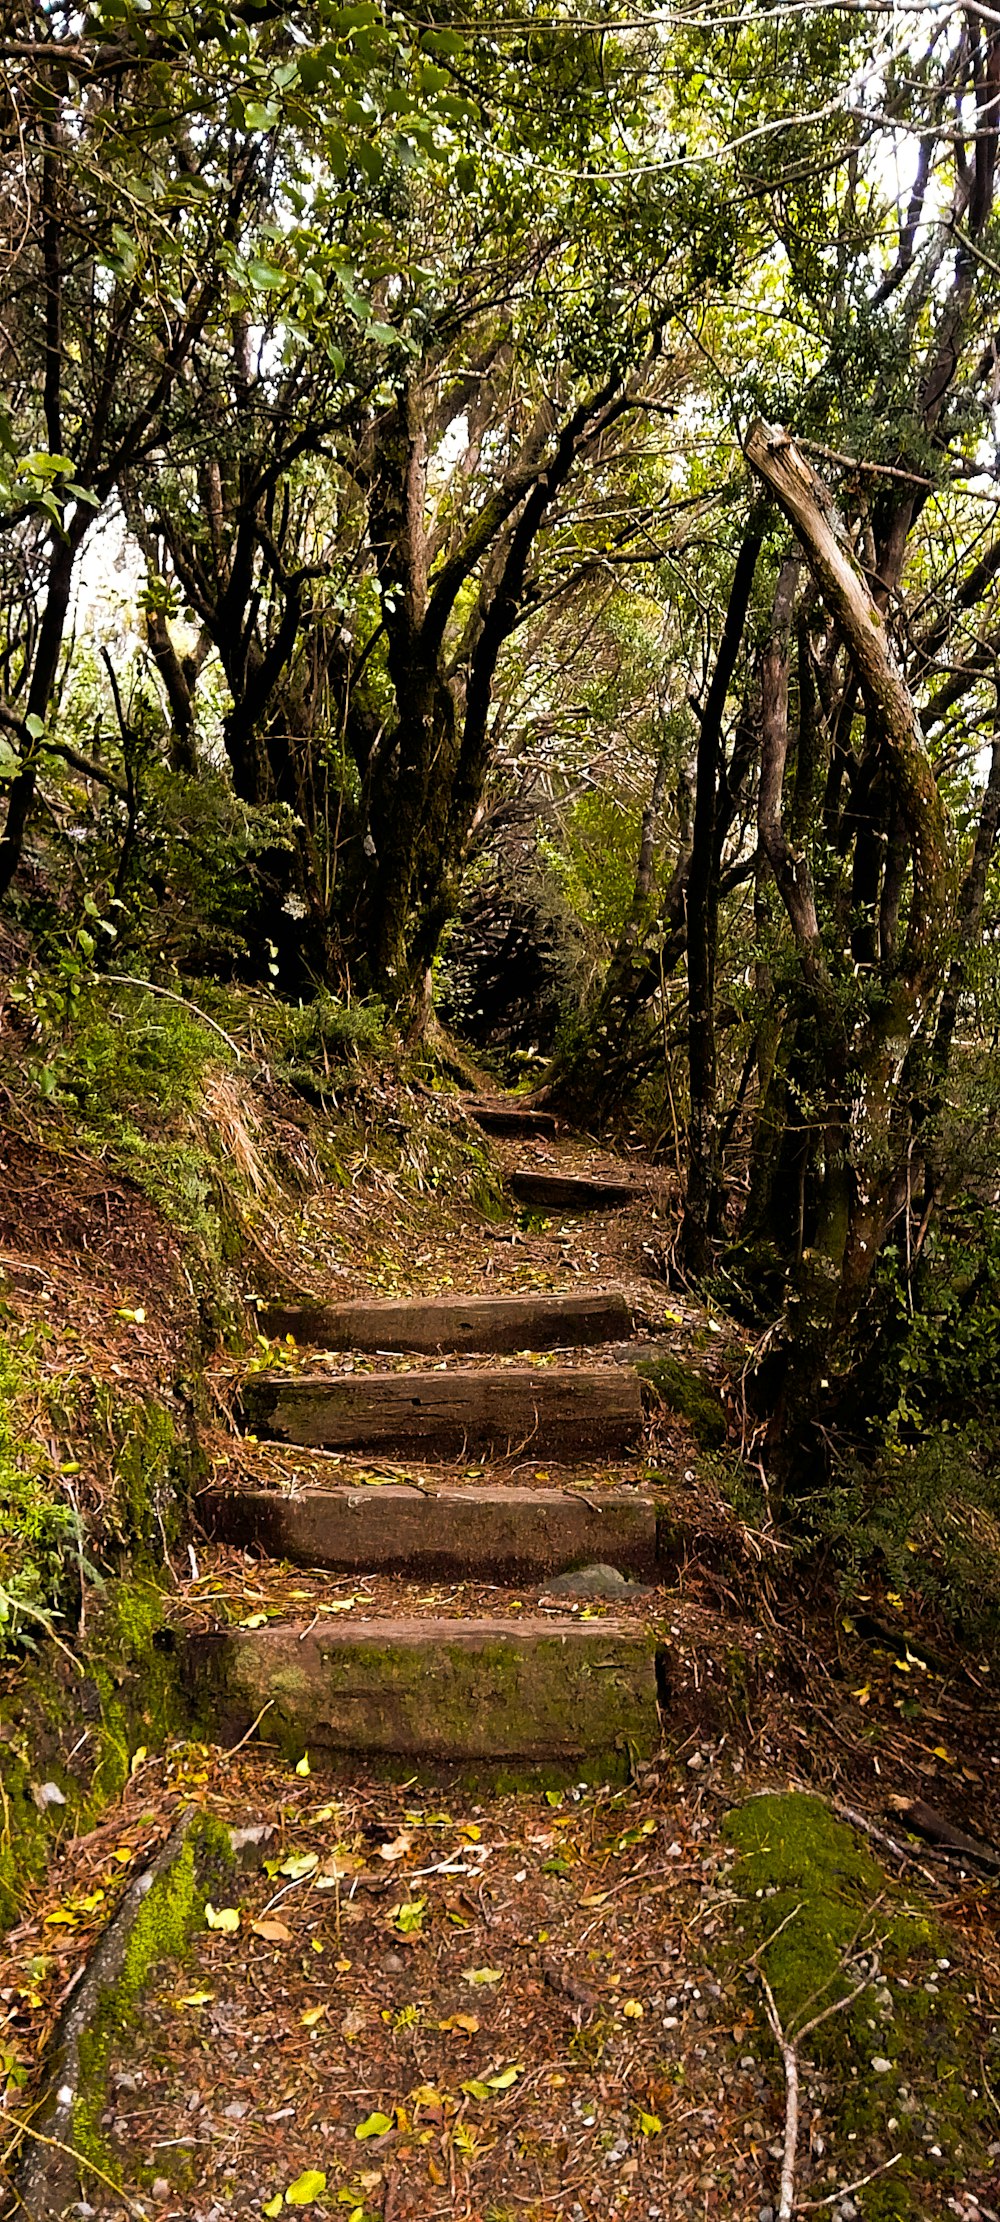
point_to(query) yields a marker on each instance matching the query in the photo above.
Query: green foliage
(41, 1539)
(595, 862)
(126, 1050)
(925, 1520)
(315, 1040)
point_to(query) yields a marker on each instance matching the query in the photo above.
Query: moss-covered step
(505, 1115)
(555, 1412)
(455, 1322)
(493, 1534)
(491, 1693)
(545, 1191)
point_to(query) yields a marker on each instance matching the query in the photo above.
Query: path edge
(160, 1910)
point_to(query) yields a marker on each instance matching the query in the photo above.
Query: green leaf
(374, 2125)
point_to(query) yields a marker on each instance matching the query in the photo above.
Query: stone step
(498, 1115)
(550, 1191)
(496, 1535)
(431, 1323)
(493, 1693)
(550, 1412)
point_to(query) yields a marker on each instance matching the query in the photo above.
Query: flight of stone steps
(505, 1692)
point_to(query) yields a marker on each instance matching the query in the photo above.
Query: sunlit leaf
(307, 2187)
(225, 1918)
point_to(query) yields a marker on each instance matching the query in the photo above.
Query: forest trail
(490, 1951)
(510, 1683)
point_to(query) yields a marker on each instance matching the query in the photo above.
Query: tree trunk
(703, 1200)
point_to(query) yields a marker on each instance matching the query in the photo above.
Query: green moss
(167, 1915)
(817, 1911)
(125, 1691)
(691, 1395)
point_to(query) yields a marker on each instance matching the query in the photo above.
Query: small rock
(696, 1761)
(161, 2190)
(592, 1581)
(46, 1794)
(880, 2066)
(766, 2214)
(393, 1964)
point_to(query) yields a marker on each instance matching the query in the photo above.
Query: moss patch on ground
(171, 1909)
(76, 1723)
(900, 2068)
(688, 1393)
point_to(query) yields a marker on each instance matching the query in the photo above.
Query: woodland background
(499, 561)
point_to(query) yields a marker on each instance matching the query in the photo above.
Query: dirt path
(439, 1997)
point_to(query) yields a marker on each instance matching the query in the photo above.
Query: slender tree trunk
(43, 679)
(702, 1204)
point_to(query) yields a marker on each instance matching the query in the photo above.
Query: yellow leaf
(324, 1813)
(374, 2125)
(307, 2187)
(273, 1932)
(226, 1918)
(195, 1998)
(595, 1898)
(471, 1830)
(864, 1694)
(123, 1853)
(466, 2023)
(650, 2124)
(313, 2014)
(482, 1975)
(255, 1620)
(274, 2206)
(343, 1966)
(137, 1759)
(302, 1766)
(632, 2010)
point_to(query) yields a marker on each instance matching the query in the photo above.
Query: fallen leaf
(274, 2206)
(273, 1932)
(299, 1864)
(650, 2124)
(195, 1998)
(307, 2187)
(632, 2010)
(374, 2125)
(226, 1918)
(466, 2023)
(312, 2015)
(482, 1975)
(302, 1766)
(408, 1916)
(399, 1847)
(506, 2077)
